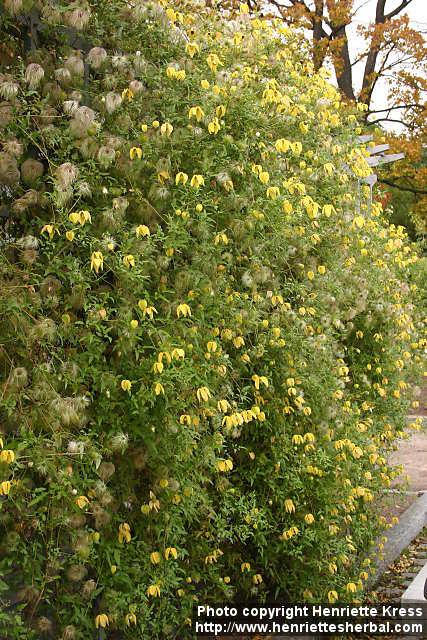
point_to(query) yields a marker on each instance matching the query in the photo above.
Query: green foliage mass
(206, 330)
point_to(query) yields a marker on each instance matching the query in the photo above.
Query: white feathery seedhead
(136, 86)
(34, 74)
(112, 101)
(66, 174)
(106, 156)
(13, 148)
(85, 115)
(96, 56)
(70, 107)
(13, 6)
(75, 65)
(119, 442)
(28, 242)
(9, 90)
(78, 18)
(62, 75)
(119, 62)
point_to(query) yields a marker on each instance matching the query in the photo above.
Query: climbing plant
(207, 332)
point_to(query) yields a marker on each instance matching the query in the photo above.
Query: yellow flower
(102, 621)
(142, 230)
(124, 533)
(245, 566)
(332, 596)
(220, 111)
(203, 394)
(82, 502)
(113, 569)
(223, 405)
(181, 177)
(310, 206)
(258, 379)
(350, 587)
(213, 62)
(359, 222)
(309, 518)
(197, 181)
(264, 177)
(155, 557)
(135, 152)
(282, 145)
(5, 487)
(257, 578)
(289, 506)
(97, 261)
(7, 456)
(158, 367)
(192, 48)
(321, 269)
(287, 207)
(238, 342)
(328, 210)
(273, 192)
(296, 148)
(178, 354)
(80, 217)
(155, 124)
(171, 552)
(243, 8)
(196, 112)
(129, 260)
(49, 229)
(126, 385)
(214, 126)
(183, 310)
(130, 618)
(70, 235)
(205, 84)
(166, 129)
(290, 533)
(185, 419)
(329, 168)
(127, 94)
(159, 389)
(153, 590)
(221, 237)
(224, 465)
(144, 127)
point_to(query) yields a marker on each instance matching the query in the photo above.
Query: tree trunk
(342, 64)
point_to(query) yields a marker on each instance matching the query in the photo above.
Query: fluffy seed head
(96, 56)
(34, 74)
(112, 101)
(9, 90)
(66, 174)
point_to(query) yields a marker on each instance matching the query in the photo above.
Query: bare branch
(413, 105)
(405, 124)
(398, 9)
(390, 183)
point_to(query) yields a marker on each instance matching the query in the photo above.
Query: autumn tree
(393, 52)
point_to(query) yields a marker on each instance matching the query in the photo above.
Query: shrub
(207, 332)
